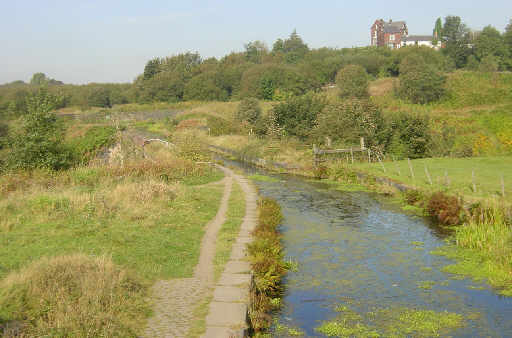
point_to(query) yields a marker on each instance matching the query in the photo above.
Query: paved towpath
(176, 299)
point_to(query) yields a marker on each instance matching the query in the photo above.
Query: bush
(411, 136)
(249, 110)
(420, 82)
(445, 209)
(412, 196)
(297, 115)
(352, 81)
(95, 139)
(39, 145)
(72, 296)
(347, 121)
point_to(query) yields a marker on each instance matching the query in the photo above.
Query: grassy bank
(80, 248)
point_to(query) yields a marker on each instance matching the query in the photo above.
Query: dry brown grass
(382, 87)
(73, 296)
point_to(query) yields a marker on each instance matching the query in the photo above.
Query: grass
(453, 175)
(483, 251)
(72, 296)
(149, 225)
(146, 216)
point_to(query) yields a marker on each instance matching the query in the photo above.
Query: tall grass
(72, 296)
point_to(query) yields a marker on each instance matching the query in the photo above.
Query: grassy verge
(266, 257)
(54, 225)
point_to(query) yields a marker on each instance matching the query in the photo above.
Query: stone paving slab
(231, 294)
(234, 279)
(227, 315)
(223, 332)
(238, 252)
(237, 267)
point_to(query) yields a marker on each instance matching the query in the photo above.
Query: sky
(111, 40)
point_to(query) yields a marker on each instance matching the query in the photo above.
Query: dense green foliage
(352, 80)
(410, 136)
(346, 121)
(419, 82)
(39, 144)
(249, 110)
(297, 115)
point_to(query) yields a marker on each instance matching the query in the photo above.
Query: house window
(391, 38)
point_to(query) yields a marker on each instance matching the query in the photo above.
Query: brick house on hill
(388, 33)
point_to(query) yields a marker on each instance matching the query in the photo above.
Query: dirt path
(176, 299)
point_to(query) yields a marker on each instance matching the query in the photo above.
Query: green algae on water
(391, 322)
(263, 178)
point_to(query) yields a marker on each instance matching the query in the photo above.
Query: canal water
(366, 265)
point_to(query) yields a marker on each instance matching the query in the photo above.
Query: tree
(297, 115)
(455, 36)
(151, 68)
(99, 97)
(294, 48)
(203, 88)
(249, 110)
(348, 120)
(410, 137)
(490, 43)
(352, 81)
(507, 36)
(39, 144)
(39, 79)
(420, 82)
(438, 32)
(255, 50)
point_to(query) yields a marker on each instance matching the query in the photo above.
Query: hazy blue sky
(111, 40)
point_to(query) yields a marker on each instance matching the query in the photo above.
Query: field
(450, 174)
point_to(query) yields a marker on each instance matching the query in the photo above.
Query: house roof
(394, 26)
(415, 38)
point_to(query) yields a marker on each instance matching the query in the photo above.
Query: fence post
(410, 168)
(502, 186)
(362, 143)
(352, 154)
(315, 155)
(428, 175)
(382, 164)
(473, 180)
(369, 156)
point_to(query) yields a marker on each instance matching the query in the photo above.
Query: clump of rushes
(266, 256)
(72, 296)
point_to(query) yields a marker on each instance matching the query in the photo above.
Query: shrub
(445, 209)
(72, 296)
(39, 145)
(412, 196)
(352, 81)
(420, 82)
(411, 136)
(297, 115)
(249, 110)
(348, 120)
